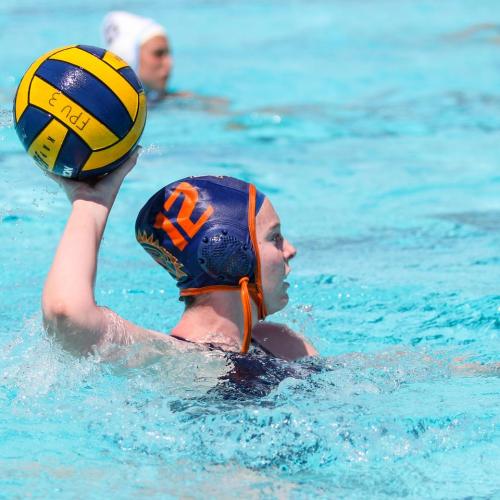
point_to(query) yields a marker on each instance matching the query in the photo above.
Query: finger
(120, 173)
(130, 163)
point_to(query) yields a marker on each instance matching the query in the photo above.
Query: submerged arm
(473, 368)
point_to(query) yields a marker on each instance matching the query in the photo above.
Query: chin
(277, 305)
(157, 85)
(161, 89)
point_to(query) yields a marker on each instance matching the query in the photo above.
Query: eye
(160, 53)
(278, 239)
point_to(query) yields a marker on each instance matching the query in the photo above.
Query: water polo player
(143, 43)
(218, 237)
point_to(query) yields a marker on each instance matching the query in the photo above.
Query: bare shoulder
(98, 328)
(282, 341)
(120, 331)
(134, 346)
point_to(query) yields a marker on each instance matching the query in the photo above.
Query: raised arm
(70, 312)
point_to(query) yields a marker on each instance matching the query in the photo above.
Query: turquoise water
(376, 136)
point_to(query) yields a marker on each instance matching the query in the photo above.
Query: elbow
(57, 313)
(69, 325)
(54, 311)
(59, 307)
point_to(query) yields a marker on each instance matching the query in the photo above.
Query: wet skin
(156, 62)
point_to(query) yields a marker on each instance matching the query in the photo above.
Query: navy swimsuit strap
(213, 347)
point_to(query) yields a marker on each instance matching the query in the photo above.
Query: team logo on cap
(161, 255)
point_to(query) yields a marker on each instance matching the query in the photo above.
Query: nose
(166, 64)
(289, 251)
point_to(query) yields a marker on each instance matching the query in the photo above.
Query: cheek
(145, 67)
(271, 269)
(151, 63)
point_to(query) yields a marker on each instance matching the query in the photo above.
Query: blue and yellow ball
(79, 111)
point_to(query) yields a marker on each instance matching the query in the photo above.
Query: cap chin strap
(258, 294)
(247, 314)
(247, 290)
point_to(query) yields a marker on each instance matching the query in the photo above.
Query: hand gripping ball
(79, 111)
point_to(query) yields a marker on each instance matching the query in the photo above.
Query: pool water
(375, 133)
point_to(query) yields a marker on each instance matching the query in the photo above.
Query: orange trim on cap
(253, 236)
(217, 288)
(207, 289)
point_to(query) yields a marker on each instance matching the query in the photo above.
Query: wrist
(83, 192)
(91, 206)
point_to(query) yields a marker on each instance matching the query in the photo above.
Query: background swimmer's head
(143, 44)
(155, 63)
(210, 232)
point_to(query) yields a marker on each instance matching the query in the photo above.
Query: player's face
(275, 253)
(155, 63)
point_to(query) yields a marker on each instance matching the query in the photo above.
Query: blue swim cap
(202, 231)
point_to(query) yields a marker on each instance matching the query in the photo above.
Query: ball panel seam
(104, 72)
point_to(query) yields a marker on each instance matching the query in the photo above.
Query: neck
(215, 318)
(155, 95)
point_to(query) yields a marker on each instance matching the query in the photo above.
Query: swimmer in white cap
(142, 43)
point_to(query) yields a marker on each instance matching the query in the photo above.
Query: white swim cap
(124, 33)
